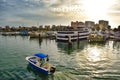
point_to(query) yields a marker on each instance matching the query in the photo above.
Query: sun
(97, 9)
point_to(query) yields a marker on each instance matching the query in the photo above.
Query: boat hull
(39, 69)
(71, 35)
(34, 66)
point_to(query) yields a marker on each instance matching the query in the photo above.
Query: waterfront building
(54, 28)
(34, 28)
(89, 24)
(63, 27)
(41, 27)
(60, 27)
(47, 27)
(7, 28)
(77, 24)
(103, 24)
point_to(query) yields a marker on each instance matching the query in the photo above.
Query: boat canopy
(41, 55)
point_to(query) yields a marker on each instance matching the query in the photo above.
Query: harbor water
(77, 61)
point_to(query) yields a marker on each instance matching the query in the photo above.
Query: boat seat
(34, 61)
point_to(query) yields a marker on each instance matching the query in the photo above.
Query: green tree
(115, 29)
(109, 27)
(119, 28)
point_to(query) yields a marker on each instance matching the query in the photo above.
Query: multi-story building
(34, 28)
(54, 28)
(89, 24)
(103, 24)
(61, 27)
(47, 27)
(77, 24)
(40, 27)
(7, 28)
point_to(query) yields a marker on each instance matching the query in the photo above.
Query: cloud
(31, 12)
(41, 11)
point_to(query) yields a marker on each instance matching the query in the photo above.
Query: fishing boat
(39, 62)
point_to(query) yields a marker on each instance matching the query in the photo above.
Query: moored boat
(66, 35)
(117, 36)
(95, 37)
(34, 34)
(72, 35)
(40, 63)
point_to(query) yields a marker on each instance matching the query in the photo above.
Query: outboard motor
(52, 70)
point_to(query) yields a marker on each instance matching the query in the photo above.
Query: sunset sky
(49, 12)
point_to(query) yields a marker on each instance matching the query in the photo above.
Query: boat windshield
(41, 55)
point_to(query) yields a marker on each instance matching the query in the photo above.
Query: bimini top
(41, 55)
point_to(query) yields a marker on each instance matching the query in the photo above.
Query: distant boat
(40, 63)
(9, 33)
(96, 37)
(24, 32)
(34, 34)
(5, 33)
(117, 35)
(72, 35)
(51, 34)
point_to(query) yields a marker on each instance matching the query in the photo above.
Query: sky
(59, 12)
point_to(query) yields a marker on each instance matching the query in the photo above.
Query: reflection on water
(71, 48)
(93, 54)
(36, 39)
(78, 61)
(116, 45)
(101, 61)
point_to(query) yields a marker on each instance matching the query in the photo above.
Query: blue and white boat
(40, 63)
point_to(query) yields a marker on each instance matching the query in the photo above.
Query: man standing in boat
(44, 62)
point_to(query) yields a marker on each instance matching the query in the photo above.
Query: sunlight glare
(94, 54)
(97, 8)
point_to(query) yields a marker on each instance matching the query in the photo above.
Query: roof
(41, 55)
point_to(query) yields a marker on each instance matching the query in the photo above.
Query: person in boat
(46, 65)
(42, 62)
(39, 60)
